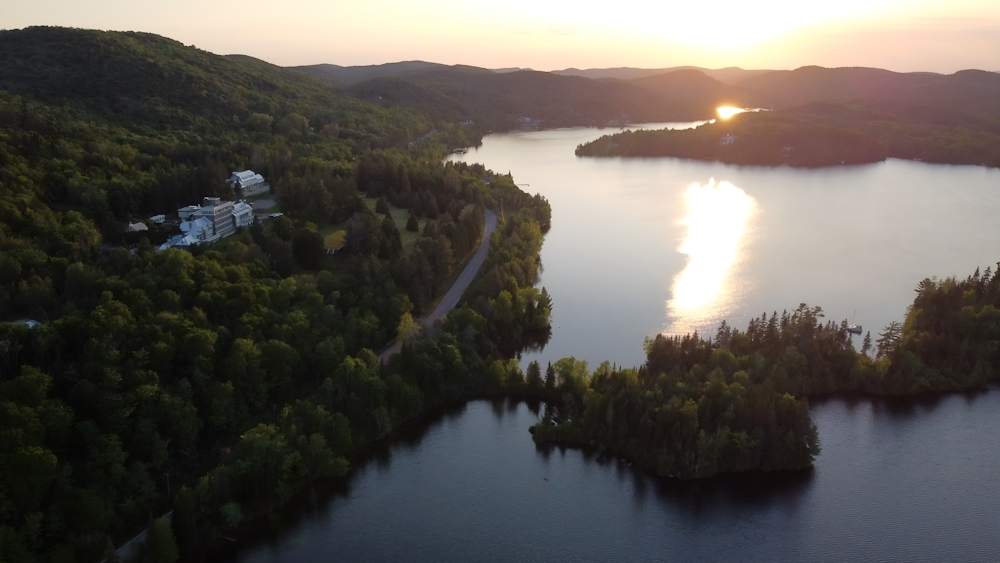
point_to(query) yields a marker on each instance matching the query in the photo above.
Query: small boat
(853, 328)
(460, 151)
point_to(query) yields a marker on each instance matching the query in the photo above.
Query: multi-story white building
(212, 220)
(220, 213)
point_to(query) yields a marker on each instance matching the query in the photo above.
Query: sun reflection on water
(717, 222)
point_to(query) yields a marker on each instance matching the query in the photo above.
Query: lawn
(333, 236)
(400, 216)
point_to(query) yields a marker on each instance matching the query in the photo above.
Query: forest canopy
(821, 134)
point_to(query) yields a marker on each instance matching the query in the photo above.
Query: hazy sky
(940, 36)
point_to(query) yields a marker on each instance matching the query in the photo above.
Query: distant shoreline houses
(215, 219)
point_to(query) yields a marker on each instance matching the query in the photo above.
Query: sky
(900, 35)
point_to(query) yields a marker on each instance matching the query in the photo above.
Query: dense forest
(738, 401)
(821, 134)
(220, 381)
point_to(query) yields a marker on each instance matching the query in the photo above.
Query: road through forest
(457, 289)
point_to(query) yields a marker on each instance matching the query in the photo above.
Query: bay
(646, 245)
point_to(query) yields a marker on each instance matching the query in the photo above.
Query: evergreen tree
(534, 375)
(412, 224)
(550, 377)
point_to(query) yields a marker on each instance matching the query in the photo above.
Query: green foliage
(813, 135)
(243, 369)
(498, 101)
(161, 547)
(698, 407)
(307, 247)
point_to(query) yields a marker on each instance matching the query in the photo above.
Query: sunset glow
(556, 34)
(725, 112)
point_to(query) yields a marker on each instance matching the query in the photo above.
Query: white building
(248, 181)
(212, 220)
(200, 228)
(158, 219)
(220, 213)
(242, 214)
(135, 227)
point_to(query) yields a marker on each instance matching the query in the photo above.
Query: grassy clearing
(400, 216)
(334, 236)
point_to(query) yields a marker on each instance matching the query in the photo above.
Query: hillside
(694, 85)
(729, 75)
(497, 100)
(972, 91)
(341, 76)
(133, 78)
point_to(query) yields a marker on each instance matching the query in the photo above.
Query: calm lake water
(646, 245)
(640, 246)
(895, 482)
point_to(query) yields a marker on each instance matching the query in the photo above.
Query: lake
(910, 481)
(646, 245)
(641, 246)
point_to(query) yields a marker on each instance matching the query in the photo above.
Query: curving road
(457, 289)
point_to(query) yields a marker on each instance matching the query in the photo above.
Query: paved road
(456, 290)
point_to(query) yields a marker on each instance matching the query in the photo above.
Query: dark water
(913, 481)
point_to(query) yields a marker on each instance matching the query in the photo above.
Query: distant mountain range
(728, 75)
(970, 98)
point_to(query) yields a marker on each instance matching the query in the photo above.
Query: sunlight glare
(726, 112)
(717, 221)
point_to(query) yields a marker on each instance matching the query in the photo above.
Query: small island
(814, 135)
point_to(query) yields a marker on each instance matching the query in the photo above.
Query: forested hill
(140, 78)
(973, 91)
(220, 381)
(816, 135)
(496, 101)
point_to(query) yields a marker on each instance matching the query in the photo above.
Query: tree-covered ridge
(498, 101)
(699, 407)
(816, 135)
(145, 80)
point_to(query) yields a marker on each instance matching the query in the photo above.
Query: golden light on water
(725, 112)
(717, 222)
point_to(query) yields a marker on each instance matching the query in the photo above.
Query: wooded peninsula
(813, 135)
